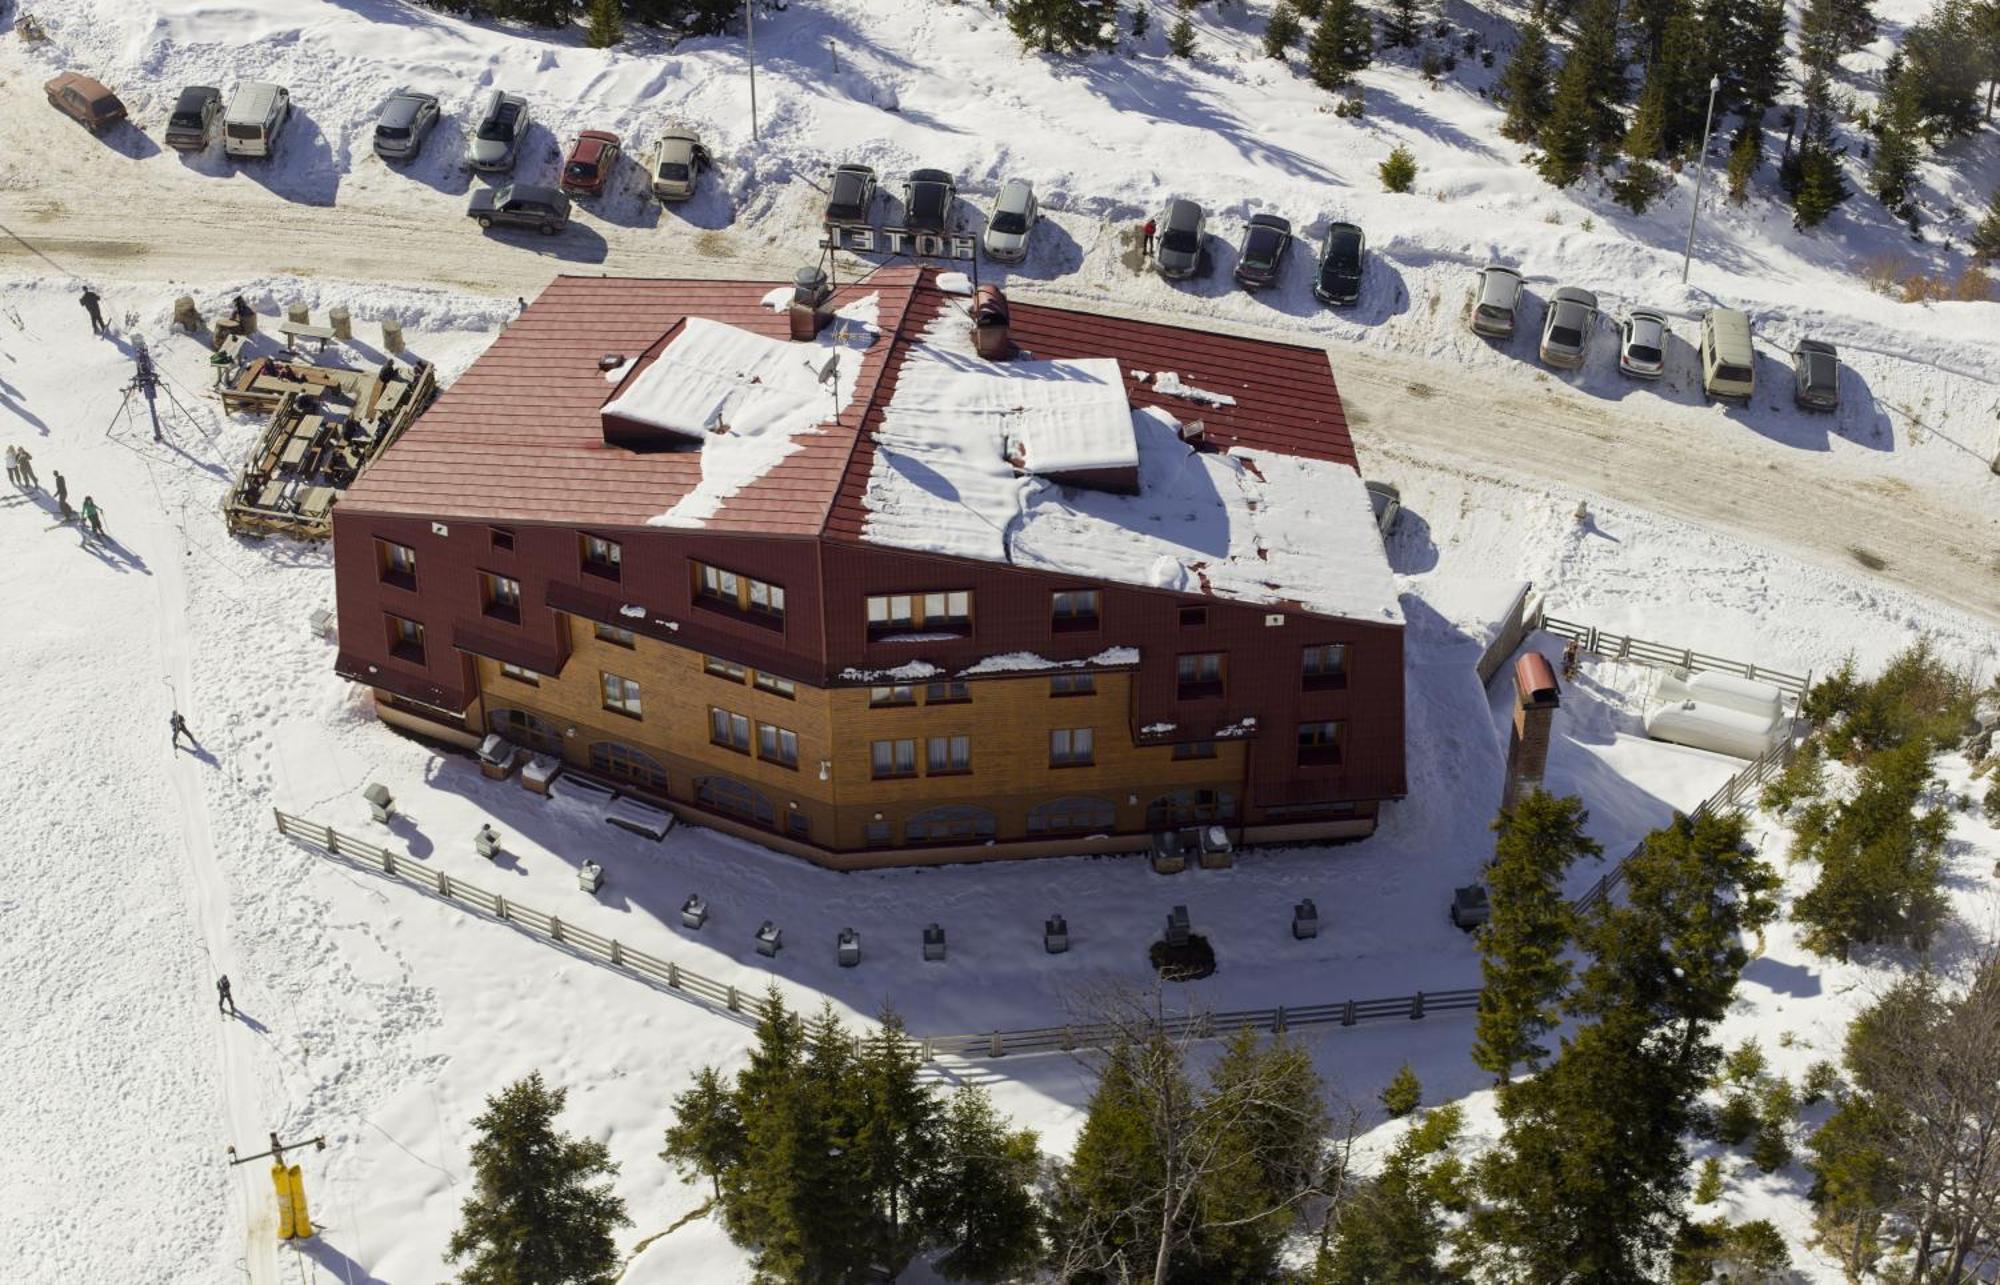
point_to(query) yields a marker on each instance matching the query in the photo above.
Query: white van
(257, 111)
(1728, 362)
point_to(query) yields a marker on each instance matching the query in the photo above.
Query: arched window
(1190, 807)
(959, 823)
(737, 799)
(627, 764)
(1073, 814)
(523, 728)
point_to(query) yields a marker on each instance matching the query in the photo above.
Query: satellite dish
(827, 371)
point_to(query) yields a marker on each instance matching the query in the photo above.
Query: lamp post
(1700, 169)
(750, 53)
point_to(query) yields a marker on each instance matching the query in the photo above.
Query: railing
(615, 954)
(1610, 646)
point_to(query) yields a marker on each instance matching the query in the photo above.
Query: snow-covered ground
(381, 1018)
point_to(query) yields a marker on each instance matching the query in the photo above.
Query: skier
(224, 1001)
(180, 727)
(1147, 232)
(62, 491)
(89, 301)
(13, 466)
(93, 515)
(24, 464)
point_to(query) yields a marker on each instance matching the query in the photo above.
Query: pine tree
(1141, 22)
(1403, 1094)
(1525, 85)
(983, 1207)
(1109, 1198)
(1393, 1230)
(1986, 244)
(1399, 171)
(706, 1138)
(1055, 26)
(1752, 61)
(1638, 186)
(1523, 966)
(1582, 113)
(1282, 31)
(1942, 56)
(896, 1139)
(1263, 1121)
(1342, 44)
(1708, 1188)
(1403, 24)
(1180, 38)
(607, 24)
(1880, 857)
(538, 1214)
(760, 1194)
(1893, 167)
(1811, 174)
(1745, 154)
(837, 1218)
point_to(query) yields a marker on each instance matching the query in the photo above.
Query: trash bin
(769, 939)
(694, 912)
(590, 876)
(1055, 935)
(487, 841)
(933, 943)
(381, 804)
(1305, 920)
(848, 947)
(1177, 926)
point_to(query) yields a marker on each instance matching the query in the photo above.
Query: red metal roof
(519, 436)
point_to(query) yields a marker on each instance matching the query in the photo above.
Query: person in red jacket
(1147, 232)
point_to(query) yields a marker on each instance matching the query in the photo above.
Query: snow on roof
(1254, 526)
(743, 397)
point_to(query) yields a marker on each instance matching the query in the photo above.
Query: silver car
(405, 120)
(1566, 328)
(1183, 230)
(1014, 216)
(497, 132)
(1499, 298)
(674, 164)
(1642, 344)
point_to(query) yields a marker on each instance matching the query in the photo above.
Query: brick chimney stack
(1536, 699)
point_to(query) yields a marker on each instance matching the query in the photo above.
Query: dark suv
(1261, 258)
(850, 195)
(927, 198)
(521, 205)
(1340, 264)
(193, 119)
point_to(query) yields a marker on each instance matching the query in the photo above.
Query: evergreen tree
(1745, 154)
(1141, 22)
(1262, 1122)
(706, 1137)
(607, 24)
(1942, 57)
(1399, 171)
(1752, 61)
(1986, 237)
(983, 1209)
(1829, 30)
(1055, 26)
(835, 1215)
(538, 1214)
(1708, 1188)
(1342, 44)
(1880, 858)
(896, 1139)
(1403, 24)
(1638, 186)
(1111, 1195)
(1180, 38)
(1282, 31)
(1582, 113)
(546, 13)
(1522, 963)
(761, 1195)
(1893, 168)
(1812, 173)
(1392, 1229)
(1403, 1094)
(1674, 98)
(1525, 86)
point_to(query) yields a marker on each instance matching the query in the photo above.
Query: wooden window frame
(780, 734)
(723, 726)
(950, 741)
(895, 772)
(618, 704)
(1072, 756)
(1324, 680)
(389, 557)
(500, 539)
(609, 566)
(1201, 687)
(520, 674)
(616, 635)
(1189, 751)
(494, 602)
(957, 692)
(1317, 750)
(726, 670)
(919, 616)
(1075, 621)
(1078, 685)
(745, 597)
(401, 645)
(782, 688)
(876, 700)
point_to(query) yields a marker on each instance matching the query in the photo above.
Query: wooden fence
(1610, 646)
(615, 954)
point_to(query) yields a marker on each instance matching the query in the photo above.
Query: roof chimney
(990, 336)
(811, 292)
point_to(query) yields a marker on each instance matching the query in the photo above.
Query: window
(1072, 747)
(1326, 666)
(621, 695)
(715, 587)
(1195, 750)
(1193, 617)
(730, 731)
(1073, 609)
(946, 612)
(893, 758)
(947, 693)
(523, 728)
(902, 694)
(502, 538)
(876, 834)
(397, 563)
(1321, 808)
(735, 798)
(947, 755)
(615, 636)
(520, 675)
(1319, 743)
(1190, 807)
(1076, 814)
(777, 686)
(1200, 675)
(955, 824)
(776, 745)
(602, 557)
(798, 825)
(715, 667)
(628, 764)
(1073, 685)
(500, 596)
(406, 639)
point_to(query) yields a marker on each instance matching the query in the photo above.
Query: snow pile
(1028, 662)
(1169, 382)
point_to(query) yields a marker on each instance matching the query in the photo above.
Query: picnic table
(293, 331)
(295, 451)
(316, 501)
(268, 497)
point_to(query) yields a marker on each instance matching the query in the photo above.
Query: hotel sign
(863, 239)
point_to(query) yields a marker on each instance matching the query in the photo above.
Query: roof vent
(811, 292)
(990, 321)
(611, 361)
(1193, 432)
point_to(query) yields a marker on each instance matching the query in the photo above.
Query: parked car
(405, 121)
(192, 122)
(520, 205)
(1566, 329)
(85, 101)
(1015, 214)
(1642, 344)
(1469, 907)
(1816, 375)
(1260, 260)
(850, 195)
(1499, 299)
(1341, 258)
(1183, 231)
(1728, 360)
(674, 164)
(1387, 502)
(927, 198)
(257, 114)
(497, 133)
(593, 159)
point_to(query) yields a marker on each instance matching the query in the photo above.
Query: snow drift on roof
(1249, 525)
